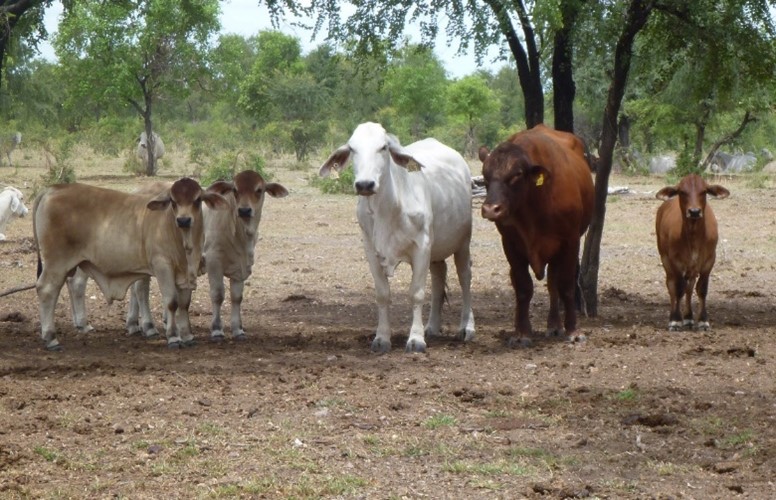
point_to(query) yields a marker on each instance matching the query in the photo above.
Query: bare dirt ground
(303, 409)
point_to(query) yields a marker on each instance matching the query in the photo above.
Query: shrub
(334, 183)
(227, 165)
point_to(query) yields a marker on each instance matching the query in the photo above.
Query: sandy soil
(303, 409)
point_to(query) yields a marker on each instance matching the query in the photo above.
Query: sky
(247, 18)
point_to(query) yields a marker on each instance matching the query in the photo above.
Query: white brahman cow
(117, 238)
(416, 217)
(11, 205)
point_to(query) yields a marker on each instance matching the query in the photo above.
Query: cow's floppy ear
(161, 202)
(483, 153)
(276, 190)
(402, 157)
(337, 161)
(717, 191)
(214, 200)
(14, 203)
(538, 175)
(221, 187)
(666, 193)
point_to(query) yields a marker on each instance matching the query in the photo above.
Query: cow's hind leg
(139, 317)
(420, 266)
(236, 294)
(438, 280)
(76, 286)
(702, 290)
(463, 266)
(554, 328)
(166, 281)
(48, 287)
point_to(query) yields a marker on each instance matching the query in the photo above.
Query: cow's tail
(579, 296)
(38, 200)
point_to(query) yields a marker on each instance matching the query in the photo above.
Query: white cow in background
(8, 144)
(142, 150)
(11, 205)
(416, 217)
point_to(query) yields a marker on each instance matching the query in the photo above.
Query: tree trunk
(563, 86)
(638, 14)
(748, 118)
(527, 59)
(150, 139)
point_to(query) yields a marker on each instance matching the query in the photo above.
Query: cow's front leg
(166, 280)
(702, 290)
(687, 318)
(236, 294)
(420, 267)
(182, 317)
(675, 283)
(438, 278)
(215, 277)
(382, 341)
(76, 286)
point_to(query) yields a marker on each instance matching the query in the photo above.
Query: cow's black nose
(365, 187)
(244, 212)
(694, 213)
(183, 222)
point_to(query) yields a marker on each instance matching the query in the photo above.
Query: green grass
(438, 421)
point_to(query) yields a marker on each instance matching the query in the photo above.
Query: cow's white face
(371, 149)
(17, 202)
(370, 152)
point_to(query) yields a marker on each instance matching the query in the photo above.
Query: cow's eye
(259, 191)
(173, 205)
(198, 202)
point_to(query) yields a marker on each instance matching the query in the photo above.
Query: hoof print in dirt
(519, 342)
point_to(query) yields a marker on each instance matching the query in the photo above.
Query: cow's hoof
(217, 338)
(133, 330)
(415, 345)
(675, 326)
(151, 335)
(688, 324)
(54, 346)
(519, 342)
(240, 337)
(176, 344)
(704, 326)
(577, 338)
(556, 333)
(189, 343)
(381, 346)
(431, 332)
(466, 335)
(85, 329)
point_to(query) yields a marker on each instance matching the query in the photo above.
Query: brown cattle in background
(540, 195)
(687, 237)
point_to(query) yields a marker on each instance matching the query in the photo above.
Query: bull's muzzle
(694, 213)
(245, 212)
(493, 211)
(183, 222)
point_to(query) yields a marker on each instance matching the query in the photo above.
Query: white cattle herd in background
(414, 206)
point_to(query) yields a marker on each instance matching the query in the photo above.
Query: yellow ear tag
(540, 180)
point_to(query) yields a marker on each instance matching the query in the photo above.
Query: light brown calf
(687, 236)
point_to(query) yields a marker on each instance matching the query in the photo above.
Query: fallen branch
(15, 289)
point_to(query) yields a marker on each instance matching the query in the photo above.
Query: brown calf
(687, 241)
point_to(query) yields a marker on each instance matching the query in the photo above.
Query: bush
(334, 183)
(227, 165)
